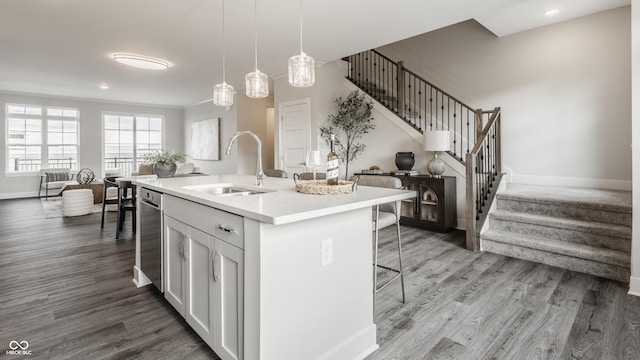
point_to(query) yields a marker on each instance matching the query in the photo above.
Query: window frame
(44, 119)
(134, 131)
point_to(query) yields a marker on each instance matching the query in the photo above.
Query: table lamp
(436, 140)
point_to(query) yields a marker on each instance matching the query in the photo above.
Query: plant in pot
(352, 120)
(165, 162)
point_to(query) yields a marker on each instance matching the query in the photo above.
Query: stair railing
(483, 172)
(417, 101)
(476, 133)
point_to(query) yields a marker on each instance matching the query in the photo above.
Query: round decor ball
(85, 176)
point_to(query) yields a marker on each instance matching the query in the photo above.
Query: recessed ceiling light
(141, 62)
(104, 86)
(550, 12)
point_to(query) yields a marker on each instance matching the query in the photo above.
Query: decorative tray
(320, 187)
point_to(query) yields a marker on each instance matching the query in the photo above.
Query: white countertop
(282, 206)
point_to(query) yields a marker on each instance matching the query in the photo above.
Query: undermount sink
(226, 189)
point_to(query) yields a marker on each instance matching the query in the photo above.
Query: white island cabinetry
(205, 279)
(275, 274)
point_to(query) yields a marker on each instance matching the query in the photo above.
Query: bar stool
(126, 202)
(385, 215)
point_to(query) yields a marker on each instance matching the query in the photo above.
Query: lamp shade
(257, 84)
(302, 70)
(437, 140)
(223, 94)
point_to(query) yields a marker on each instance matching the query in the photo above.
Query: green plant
(352, 120)
(165, 157)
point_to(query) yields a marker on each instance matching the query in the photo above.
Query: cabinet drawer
(229, 227)
(196, 215)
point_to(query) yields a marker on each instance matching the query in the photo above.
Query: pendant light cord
(301, 26)
(255, 29)
(223, 46)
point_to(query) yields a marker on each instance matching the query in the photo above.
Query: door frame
(278, 154)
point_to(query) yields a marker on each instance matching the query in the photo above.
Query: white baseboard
(18, 195)
(461, 223)
(634, 286)
(359, 346)
(609, 184)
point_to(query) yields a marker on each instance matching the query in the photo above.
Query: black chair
(109, 182)
(126, 202)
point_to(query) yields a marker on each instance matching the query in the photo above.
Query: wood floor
(66, 289)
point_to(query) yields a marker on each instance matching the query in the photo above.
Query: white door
(228, 316)
(174, 263)
(294, 124)
(199, 266)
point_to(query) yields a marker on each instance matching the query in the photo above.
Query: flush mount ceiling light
(141, 62)
(550, 12)
(302, 71)
(223, 92)
(257, 83)
(104, 86)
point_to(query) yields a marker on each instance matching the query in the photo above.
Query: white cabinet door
(199, 270)
(228, 316)
(175, 267)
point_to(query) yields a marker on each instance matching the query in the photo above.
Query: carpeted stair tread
(620, 231)
(585, 252)
(597, 199)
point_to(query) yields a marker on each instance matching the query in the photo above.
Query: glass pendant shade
(223, 94)
(302, 72)
(257, 84)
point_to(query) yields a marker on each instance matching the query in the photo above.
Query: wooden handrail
(483, 134)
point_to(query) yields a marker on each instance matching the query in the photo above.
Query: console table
(435, 206)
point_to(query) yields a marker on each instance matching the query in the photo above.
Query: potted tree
(165, 162)
(352, 120)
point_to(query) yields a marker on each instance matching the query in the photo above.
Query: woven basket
(320, 187)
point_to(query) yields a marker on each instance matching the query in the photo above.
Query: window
(128, 138)
(40, 137)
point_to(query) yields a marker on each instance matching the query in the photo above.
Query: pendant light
(302, 71)
(223, 92)
(257, 83)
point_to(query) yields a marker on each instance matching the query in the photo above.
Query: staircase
(584, 230)
(475, 133)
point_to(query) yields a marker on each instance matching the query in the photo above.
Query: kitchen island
(272, 275)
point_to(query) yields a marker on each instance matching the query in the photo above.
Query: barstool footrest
(397, 276)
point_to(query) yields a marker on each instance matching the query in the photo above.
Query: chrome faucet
(259, 172)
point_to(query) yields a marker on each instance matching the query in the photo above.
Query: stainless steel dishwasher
(151, 239)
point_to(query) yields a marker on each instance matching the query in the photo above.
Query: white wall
(328, 86)
(228, 126)
(252, 116)
(634, 286)
(382, 142)
(90, 156)
(566, 107)
(564, 89)
(245, 114)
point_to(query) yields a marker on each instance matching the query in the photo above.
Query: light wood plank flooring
(65, 287)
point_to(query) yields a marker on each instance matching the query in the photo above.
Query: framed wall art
(205, 139)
